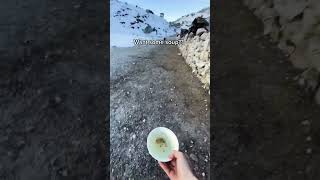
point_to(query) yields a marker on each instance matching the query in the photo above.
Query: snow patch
(128, 22)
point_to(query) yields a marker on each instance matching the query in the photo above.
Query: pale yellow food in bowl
(161, 142)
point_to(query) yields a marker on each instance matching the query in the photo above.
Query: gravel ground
(52, 90)
(264, 127)
(151, 87)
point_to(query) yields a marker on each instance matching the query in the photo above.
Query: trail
(265, 127)
(53, 90)
(151, 87)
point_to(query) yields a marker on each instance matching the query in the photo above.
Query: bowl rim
(171, 134)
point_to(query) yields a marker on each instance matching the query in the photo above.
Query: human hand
(178, 168)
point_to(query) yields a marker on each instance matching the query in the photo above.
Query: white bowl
(161, 142)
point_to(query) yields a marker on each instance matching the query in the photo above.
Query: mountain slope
(128, 22)
(185, 21)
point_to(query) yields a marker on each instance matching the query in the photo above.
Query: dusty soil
(264, 126)
(151, 87)
(53, 90)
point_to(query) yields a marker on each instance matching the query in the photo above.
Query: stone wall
(295, 26)
(196, 52)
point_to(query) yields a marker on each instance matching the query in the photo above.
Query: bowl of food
(161, 142)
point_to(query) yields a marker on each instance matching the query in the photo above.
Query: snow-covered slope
(128, 22)
(185, 21)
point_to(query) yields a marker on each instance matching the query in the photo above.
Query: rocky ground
(151, 87)
(196, 52)
(53, 90)
(264, 126)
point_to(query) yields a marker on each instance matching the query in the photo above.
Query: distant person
(178, 168)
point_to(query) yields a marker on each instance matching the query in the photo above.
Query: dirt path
(53, 90)
(153, 87)
(265, 127)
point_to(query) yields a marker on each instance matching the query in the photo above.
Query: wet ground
(53, 90)
(264, 127)
(151, 87)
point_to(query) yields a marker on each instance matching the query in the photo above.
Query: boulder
(288, 9)
(204, 36)
(200, 31)
(149, 11)
(183, 32)
(309, 80)
(148, 29)
(313, 52)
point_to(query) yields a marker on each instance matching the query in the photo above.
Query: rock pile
(196, 52)
(295, 26)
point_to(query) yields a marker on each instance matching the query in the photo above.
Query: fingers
(165, 168)
(175, 154)
(173, 163)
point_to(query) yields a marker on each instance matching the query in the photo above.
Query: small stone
(77, 6)
(4, 139)
(76, 142)
(127, 92)
(179, 54)
(10, 154)
(21, 143)
(39, 91)
(144, 120)
(203, 174)
(194, 157)
(133, 136)
(309, 151)
(305, 122)
(309, 138)
(57, 99)
(191, 142)
(64, 173)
